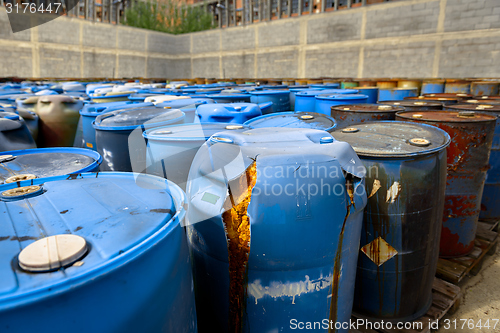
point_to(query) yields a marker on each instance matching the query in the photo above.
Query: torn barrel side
(274, 224)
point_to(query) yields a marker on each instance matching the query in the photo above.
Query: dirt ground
(480, 300)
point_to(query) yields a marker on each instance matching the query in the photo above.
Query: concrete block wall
(406, 38)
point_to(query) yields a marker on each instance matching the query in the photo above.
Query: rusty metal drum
(411, 105)
(457, 86)
(490, 203)
(399, 248)
(468, 154)
(59, 117)
(442, 100)
(347, 115)
(481, 88)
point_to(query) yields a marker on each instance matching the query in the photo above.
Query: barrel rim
(402, 155)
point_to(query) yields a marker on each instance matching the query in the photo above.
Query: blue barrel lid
(236, 96)
(315, 92)
(128, 119)
(208, 91)
(9, 115)
(118, 94)
(275, 86)
(301, 88)
(393, 138)
(270, 92)
(190, 132)
(141, 210)
(12, 92)
(297, 119)
(326, 85)
(181, 103)
(47, 162)
(95, 109)
(141, 96)
(228, 108)
(334, 97)
(45, 92)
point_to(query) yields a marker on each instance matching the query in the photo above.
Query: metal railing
(242, 12)
(226, 13)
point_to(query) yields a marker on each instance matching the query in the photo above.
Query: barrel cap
(297, 119)
(393, 139)
(454, 116)
(53, 252)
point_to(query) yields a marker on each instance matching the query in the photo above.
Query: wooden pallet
(456, 269)
(446, 299)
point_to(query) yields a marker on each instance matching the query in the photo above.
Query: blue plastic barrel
(432, 87)
(371, 92)
(305, 100)
(47, 162)
(236, 113)
(231, 98)
(14, 133)
(92, 110)
(119, 135)
(279, 98)
(294, 90)
(171, 149)
(297, 119)
(396, 94)
(324, 103)
(271, 242)
(95, 253)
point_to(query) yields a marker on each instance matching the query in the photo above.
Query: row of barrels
(288, 215)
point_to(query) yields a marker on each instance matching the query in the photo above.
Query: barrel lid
(393, 138)
(494, 97)
(297, 119)
(58, 244)
(56, 98)
(482, 101)
(94, 109)
(270, 92)
(181, 103)
(399, 88)
(296, 88)
(315, 92)
(128, 119)
(449, 95)
(229, 96)
(475, 107)
(47, 162)
(465, 116)
(360, 89)
(210, 109)
(191, 132)
(367, 108)
(423, 103)
(334, 97)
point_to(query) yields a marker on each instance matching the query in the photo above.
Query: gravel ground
(480, 300)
